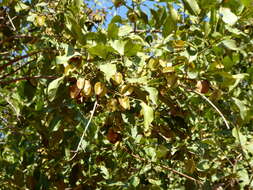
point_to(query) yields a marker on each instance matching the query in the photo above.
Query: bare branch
(164, 167)
(17, 69)
(85, 129)
(27, 78)
(18, 58)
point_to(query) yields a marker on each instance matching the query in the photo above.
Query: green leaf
(228, 16)
(244, 177)
(230, 44)
(55, 123)
(135, 181)
(151, 152)
(100, 50)
(78, 3)
(153, 93)
(113, 30)
(161, 151)
(116, 19)
(168, 27)
(237, 78)
(203, 165)
(105, 172)
(243, 109)
(155, 182)
(192, 6)
(247, 3)
(131, 48)
(109, 70)
(75, 29)
(125, 30)
(21, 6)
(119, 46)
(53, 87)
(148, 116)
(249, 146)
(240, 138)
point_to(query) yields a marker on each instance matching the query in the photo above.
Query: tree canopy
(158, 98)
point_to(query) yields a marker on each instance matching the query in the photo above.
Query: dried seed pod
(117, 3)
(80, 83)
(202, 86)
(125, 103)
(99, 89)
(87, 89)
(113, 136)
(117, 78)
(75, 60)
(126, 90)
(74, 91)
(132, 16)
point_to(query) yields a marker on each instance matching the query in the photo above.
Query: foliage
(154, 99)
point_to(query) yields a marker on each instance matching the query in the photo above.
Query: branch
(14, 28)
(164, 167)
(16, 37)
(211, 103)
(8, 74)
(147, 31)
(85, 129)
(27, 78)
(17, 59)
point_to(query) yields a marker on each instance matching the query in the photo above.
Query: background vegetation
(159, 98)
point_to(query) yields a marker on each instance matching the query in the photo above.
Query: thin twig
(85, 129)
(164, 167)
(27, 78)
(8, 74)
(14, 28)
(17, 59)
(17, 37)
(211, 103)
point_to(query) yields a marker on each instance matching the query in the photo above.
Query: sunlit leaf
(192, 6)
(243, 109)
(240, 138)
(108, 69)
(228, 16)
(119, 46)
(53, 87)
(148, 116)
(230, 44)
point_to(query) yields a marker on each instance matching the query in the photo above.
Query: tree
(154, 99)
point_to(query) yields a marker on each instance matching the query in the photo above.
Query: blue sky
(107, 4)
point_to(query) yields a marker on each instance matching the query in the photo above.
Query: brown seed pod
(132, 16)
(117, 79)
(126, 90)
(74, 91)
(113, 136)
(76, 60)
(87, 89)
(80, 83)
(125, 103)
(117, 3)
(202, 86)
(100, 89)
